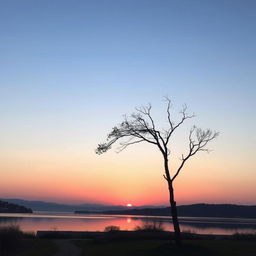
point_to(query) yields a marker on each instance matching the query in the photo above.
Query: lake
(83, 222)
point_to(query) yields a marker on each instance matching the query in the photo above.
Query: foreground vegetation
(46, 247)
(146, 241)
(162, 248)
(15, 242)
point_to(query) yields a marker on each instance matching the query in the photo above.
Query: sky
(70, 70)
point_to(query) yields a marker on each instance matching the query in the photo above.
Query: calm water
(80, 222)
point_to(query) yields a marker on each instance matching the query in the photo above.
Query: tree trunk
(175, 220)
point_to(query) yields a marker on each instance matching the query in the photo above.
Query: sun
(129, 205)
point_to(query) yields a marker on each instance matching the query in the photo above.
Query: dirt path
(67, 248)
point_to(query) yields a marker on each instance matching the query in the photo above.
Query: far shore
(142, 234)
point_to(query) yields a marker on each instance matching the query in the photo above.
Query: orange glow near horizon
(114, 179)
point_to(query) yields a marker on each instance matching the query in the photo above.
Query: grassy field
(37, 247)
(14, 242)
(47, 247)
(32, 247)
(157, 248)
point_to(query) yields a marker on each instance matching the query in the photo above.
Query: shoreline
(124, 234)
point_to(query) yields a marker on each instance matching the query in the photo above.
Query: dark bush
(10, 237)
(244, 236)
(111, 228)
(150, 226)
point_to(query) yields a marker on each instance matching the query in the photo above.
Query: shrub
(29, 235)
(244, 236)
(150, 226)
(10, 237)
(111, 228)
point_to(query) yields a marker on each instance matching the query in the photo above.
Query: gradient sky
(69, 70)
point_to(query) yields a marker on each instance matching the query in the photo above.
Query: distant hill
(194, 210)
(6, 207)
(47, 206)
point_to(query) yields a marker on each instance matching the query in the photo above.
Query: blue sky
(70, 69)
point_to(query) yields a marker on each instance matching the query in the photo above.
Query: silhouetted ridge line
(6, 207)
(58, 207)
(194, 210)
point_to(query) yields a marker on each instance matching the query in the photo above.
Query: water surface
(84, 222)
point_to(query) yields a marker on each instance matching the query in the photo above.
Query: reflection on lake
(84, 222)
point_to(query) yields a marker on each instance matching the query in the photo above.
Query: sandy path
(67, 248)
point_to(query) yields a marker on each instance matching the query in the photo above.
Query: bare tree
(140, 127)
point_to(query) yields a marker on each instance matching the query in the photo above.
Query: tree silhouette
(140, 127)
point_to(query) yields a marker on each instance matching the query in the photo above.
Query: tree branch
(202, 137)
(173, 127)
(124, 145)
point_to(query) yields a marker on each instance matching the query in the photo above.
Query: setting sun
(129, 205)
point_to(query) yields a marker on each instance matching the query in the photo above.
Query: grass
(38, 247)
(32, 247)
(162, 248)
(244, 236)
(15, 242)
(150, 226)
